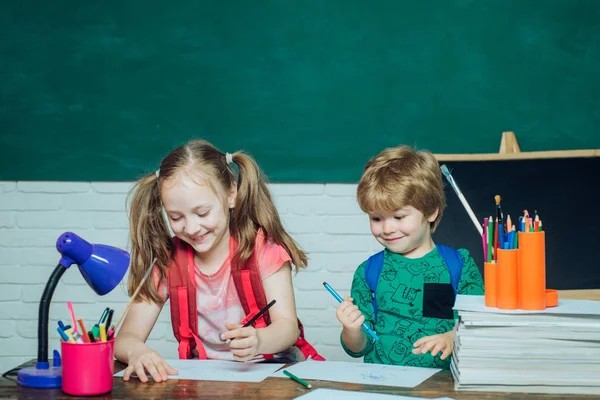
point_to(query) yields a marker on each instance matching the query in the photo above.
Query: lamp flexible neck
(45, 310)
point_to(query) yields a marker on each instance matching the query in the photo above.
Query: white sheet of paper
(572, 307)
(354, 372)
(332, 394)
(217, 370)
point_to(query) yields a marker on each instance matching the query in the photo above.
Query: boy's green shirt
(400, 320)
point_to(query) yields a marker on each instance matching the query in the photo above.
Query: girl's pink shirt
(217, 300)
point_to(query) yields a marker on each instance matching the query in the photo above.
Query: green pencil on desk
(299, 380)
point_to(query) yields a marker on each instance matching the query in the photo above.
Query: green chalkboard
(102, 90)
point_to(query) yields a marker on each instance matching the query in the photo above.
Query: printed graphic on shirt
(414, 298)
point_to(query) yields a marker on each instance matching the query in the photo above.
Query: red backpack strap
(182, 294)
(306, 348)
(251, 292)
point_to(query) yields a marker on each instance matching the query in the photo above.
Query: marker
(339, 298)
(103, 316)
(84, 333)
(63, 335)
(299, 380)
(257, 316)
(109, 318)
(102, 332)
(73, 321)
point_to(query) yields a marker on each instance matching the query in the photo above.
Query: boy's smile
(405, 231)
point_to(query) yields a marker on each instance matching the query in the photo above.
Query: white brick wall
(325, 219)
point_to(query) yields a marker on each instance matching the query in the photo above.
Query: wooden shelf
(519, 156)
(510, 150)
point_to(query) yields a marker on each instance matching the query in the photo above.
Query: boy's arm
(357, 345)
(471, 281)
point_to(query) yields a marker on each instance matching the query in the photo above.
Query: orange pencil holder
(507, 275)
(490, 282)
(532, 271)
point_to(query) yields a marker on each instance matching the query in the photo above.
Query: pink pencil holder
(88, 368)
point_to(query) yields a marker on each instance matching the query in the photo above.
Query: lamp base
(40, 377)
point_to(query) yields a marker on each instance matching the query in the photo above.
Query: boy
(402, 192)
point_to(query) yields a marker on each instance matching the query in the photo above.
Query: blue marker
(339, 298)
(62, 334)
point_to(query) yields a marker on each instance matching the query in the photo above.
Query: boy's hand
(243, 342)
(435, 344)
(349, 315)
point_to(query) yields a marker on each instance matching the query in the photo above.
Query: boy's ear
(434, 215)
(231, 196)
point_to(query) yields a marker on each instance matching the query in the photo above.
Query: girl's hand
(243, 342)
(435, 344)
(349, 315)
(148, 360)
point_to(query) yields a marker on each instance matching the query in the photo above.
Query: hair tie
(228, 158)
(157, 173)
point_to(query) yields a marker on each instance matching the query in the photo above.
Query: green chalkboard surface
(102, 90)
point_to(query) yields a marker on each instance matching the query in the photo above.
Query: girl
(230, 250)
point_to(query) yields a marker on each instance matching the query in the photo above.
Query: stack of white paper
(556, 350)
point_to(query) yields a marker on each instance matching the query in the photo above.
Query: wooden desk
(439, 385)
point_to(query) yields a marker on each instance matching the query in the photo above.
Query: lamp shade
(102, 267)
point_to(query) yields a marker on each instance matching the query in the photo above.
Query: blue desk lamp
(102, 267)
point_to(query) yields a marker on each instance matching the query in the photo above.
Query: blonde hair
(401, 176)
(253, 210)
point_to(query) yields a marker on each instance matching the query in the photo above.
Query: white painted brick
(112, 187)
(26, 275)
(328, 336)
(7, 219)
(9, 292)
(311, 319)
(321, 205)
(295, 224)
(290, 189)
(7, 328)
(18, 346)
(347, 225)
(13, 256)
(95, 202)
(53, 187)
(314, 281)
(7, 186)
(71, 220)
(28, 329)
(30, 201)
(333, 243)
(341, 189)
(29, 237)
(110, 220)
(313, 300)
(19, 310)
(340, 262)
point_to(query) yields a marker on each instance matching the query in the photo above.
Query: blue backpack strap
(372, 272)
(454, 263)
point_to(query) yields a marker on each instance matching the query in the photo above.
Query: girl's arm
(131, 348)
(283, 331)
